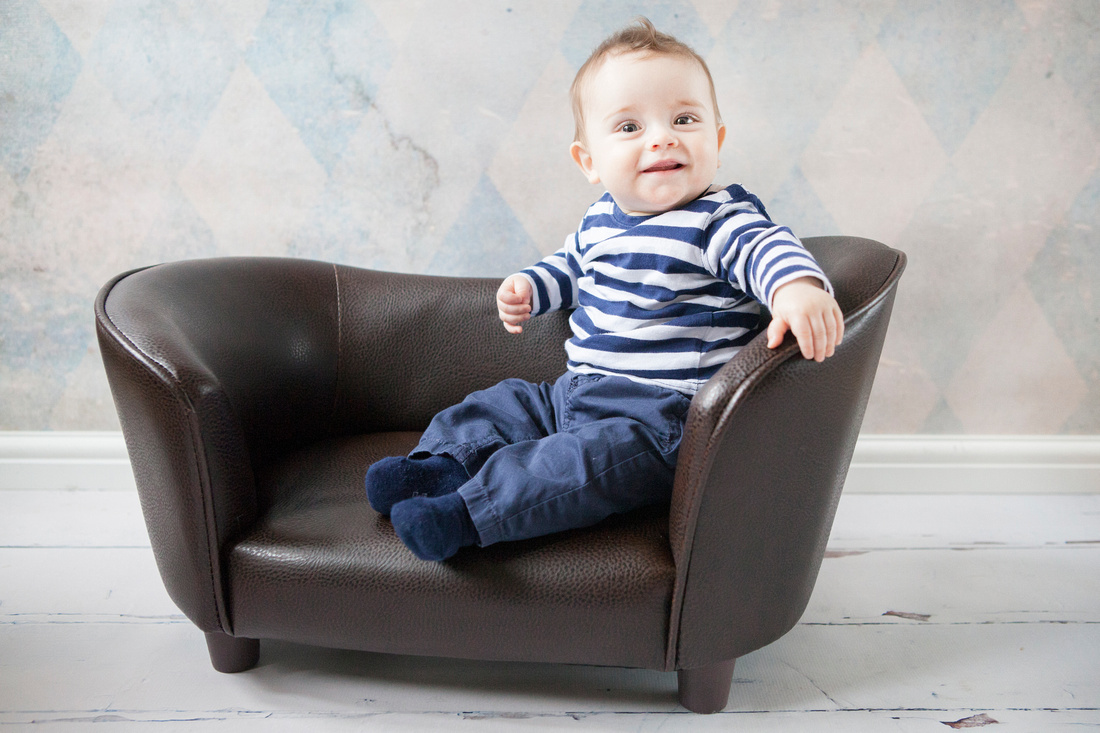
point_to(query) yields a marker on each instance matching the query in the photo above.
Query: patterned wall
(432, 137)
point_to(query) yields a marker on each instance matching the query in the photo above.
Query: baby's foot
(395, 479)
(434, 528)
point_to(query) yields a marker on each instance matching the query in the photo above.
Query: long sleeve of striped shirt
(668, 299)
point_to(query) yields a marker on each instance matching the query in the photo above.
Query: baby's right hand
(514, 302)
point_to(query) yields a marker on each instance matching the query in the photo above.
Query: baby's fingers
(834, 330)
(816, 342)
(513, 309)
(816, 334)
(776, 329)
(510, 297)
(801, 328)
(513, 317)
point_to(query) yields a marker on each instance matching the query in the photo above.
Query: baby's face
(652, 133)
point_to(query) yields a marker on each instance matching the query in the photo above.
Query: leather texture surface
(253, 393)
(321, 566)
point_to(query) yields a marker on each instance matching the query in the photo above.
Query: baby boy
(665, 278)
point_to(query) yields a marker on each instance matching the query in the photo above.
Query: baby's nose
(662, 138)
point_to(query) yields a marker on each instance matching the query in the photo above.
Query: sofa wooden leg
(706, 689)
(230, 654)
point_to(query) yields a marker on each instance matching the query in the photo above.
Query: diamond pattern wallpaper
(432, 136)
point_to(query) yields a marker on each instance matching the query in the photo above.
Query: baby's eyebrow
(630, 110)
(625, 111)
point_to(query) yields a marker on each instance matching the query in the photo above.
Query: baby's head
(647, 122)
(641, 38)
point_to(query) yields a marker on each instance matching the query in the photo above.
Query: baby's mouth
(663, 166)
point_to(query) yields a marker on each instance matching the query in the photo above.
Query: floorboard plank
(870, 721)
(98, 583)
(103, 668)
(883, 521)
(951, 586)
(41, 518)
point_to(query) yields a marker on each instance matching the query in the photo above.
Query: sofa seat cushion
(321, 567)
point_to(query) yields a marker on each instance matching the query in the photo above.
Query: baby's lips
(663, 165)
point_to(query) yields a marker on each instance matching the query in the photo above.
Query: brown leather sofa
(253, 393)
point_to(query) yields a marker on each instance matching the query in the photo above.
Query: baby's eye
(629, 127)
(685, 119)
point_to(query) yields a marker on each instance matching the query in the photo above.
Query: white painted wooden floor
(929, 610)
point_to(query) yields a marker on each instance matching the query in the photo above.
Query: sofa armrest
(766, 451)
(209, 362)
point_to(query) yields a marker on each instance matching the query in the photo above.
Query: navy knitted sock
(434, 528)
(396, 478)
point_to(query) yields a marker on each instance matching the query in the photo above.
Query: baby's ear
(584, 161)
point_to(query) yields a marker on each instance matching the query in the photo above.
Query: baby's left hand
(811, 314)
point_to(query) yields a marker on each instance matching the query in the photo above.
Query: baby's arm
(554, 276)
(514, 302)
(811, 314)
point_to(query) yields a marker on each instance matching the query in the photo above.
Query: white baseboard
(91, 461)
(883, 464)
(934, 464)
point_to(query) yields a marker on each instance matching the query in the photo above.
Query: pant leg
(512, 411)
(614, 449)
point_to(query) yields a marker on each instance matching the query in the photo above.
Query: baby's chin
(655, 205)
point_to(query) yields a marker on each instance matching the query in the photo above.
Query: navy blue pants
(550, 457)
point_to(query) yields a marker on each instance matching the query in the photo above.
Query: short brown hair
(640, 37)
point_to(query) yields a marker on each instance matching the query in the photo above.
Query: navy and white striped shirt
(668, 299)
